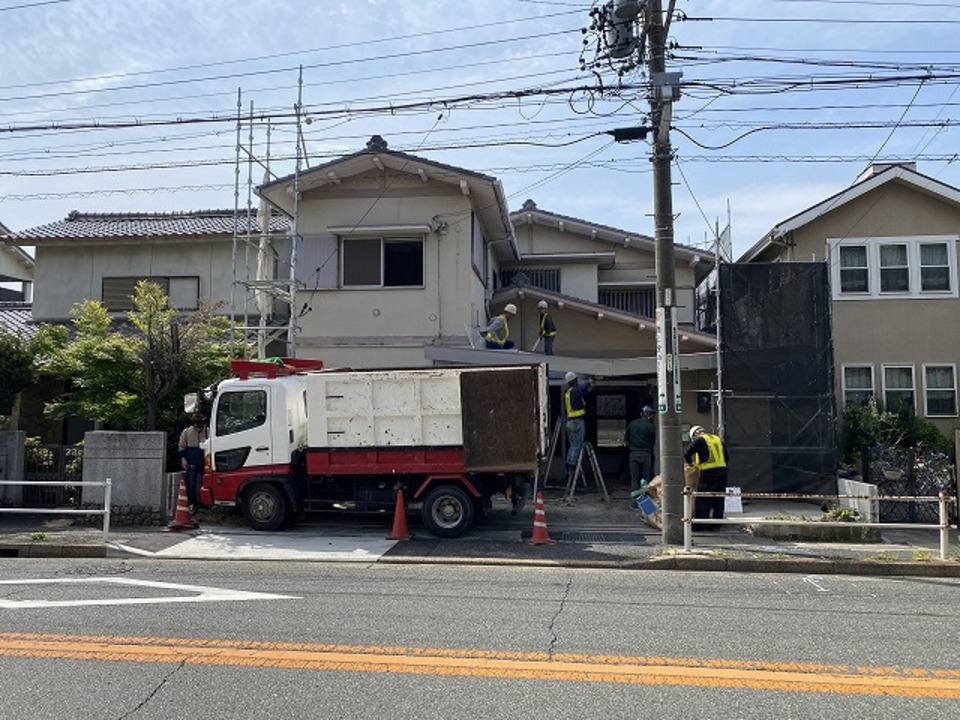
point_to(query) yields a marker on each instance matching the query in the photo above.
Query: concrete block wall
(12, 466)
(135, 463)
(869, 509)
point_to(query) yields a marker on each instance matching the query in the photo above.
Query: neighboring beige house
(890, 241)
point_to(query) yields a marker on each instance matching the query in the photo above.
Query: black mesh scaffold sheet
(777, 377)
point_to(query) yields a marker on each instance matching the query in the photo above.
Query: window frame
(874, 269)
(163, 281)
(927, 389)
(383, 241)
(847, 389)
(885, 388)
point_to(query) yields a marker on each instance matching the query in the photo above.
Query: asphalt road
(144, 639)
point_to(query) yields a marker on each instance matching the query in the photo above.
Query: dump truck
(290, 437)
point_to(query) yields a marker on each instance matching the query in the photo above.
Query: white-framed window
(854, 270)
(894, 268)
(857, 383)
(935, 271)
(381, 262)
(899, 387)
(902, 267)
(940, 390)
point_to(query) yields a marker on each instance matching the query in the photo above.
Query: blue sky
(784, 102)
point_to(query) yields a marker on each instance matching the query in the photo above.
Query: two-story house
(890, 244)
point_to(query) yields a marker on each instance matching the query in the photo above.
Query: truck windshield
(238, 411)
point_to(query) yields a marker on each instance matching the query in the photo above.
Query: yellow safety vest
(568, 402)
(543, 328)
(506, 332)
(715, 450)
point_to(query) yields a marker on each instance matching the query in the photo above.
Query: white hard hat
(542, 304)
(510, 308)
(570, 377)
(696, 430)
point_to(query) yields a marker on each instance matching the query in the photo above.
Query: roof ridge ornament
(376, 143)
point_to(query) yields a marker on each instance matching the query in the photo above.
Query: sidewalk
(587, 532)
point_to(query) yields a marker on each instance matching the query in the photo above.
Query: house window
(940, 390)
(911, 267)
(894, 270)
(854, 273)
(857, 383)
(382, 262)
(638, 301)
(117, 292)
(544, 278)
(898, 387)
(934, 267)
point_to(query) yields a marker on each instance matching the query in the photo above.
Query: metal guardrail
(943, 499)
(105, 512)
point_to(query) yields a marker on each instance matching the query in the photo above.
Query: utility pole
(663, 90)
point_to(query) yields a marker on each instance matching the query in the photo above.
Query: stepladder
(580, 475)
(543, 475)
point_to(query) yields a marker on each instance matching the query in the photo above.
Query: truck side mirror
(190, 403)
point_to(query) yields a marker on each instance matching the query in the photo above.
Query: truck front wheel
(264, 507)
(447, 511)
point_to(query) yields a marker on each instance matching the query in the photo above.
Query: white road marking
(815, 581)
(279, 546)
(200, 593)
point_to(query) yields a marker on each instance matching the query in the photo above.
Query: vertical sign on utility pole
(675, 351)
(662, 361)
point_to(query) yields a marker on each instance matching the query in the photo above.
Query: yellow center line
(758, 675)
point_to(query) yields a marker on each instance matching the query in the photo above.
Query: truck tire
(447, 511)
(264, 507)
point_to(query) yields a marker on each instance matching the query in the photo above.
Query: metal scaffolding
(263, 294)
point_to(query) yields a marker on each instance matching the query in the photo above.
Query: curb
(676, 562)
(37, 550)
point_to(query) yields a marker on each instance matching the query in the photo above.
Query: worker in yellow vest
(574, 413)
(709, 455)
(497, 334)
(548, 328)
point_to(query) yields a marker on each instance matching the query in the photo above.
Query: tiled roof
(15, 319)
(79, 225)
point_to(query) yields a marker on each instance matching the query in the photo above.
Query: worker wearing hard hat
(548, 328)
(709, 455)
(575, 411)
(497, 334)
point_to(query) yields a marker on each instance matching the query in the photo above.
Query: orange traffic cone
(400, 531)
(182, 520)
(540, 535)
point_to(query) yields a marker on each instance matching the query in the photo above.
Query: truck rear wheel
(264, 507)
(447, 511)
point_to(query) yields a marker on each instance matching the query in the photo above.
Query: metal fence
(943, 499)
(53, 474)
(104, 512)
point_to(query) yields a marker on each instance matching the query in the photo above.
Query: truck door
(242, 435)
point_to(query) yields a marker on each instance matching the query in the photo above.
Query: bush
(868, 423)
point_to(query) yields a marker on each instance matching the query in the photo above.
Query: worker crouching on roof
(497, 333)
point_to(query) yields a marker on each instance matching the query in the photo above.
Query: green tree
(132, 376)
(99, 365)
(16, 370)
